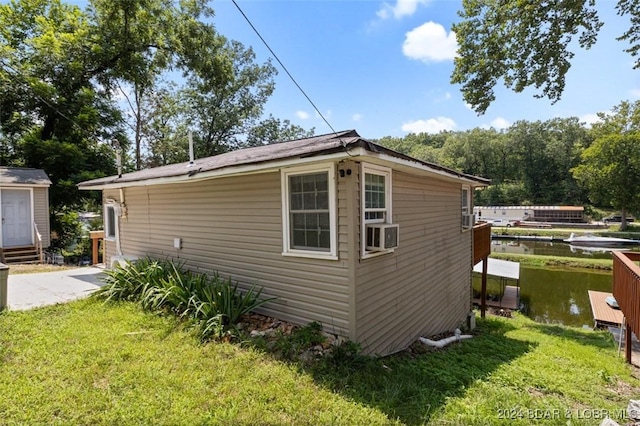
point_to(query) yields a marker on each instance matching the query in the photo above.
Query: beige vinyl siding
(41, 214)
(233, 225)
(423, 288)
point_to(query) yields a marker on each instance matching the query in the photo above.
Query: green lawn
(92, 363)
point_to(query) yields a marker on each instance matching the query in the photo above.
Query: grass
(556, 261)
(34, 269)
(94, 363)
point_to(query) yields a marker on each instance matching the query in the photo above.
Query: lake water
(553, 295)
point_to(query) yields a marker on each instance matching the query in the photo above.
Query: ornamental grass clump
(214, 305)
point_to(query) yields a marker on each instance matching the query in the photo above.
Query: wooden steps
(14, 255)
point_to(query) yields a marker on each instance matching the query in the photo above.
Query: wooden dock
(603, 314)
(510, 299)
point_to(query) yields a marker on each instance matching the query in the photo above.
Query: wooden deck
(603, 314)
(510, 299)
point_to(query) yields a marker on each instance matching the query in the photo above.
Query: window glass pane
(297, 239)
(322, 182)
(295, 184)
(111, 222)
(374, 191)
(296, 201)
(297, 220)
(308, 183)
(309, 212)
(325, 240)
(312, 239)
(322, 200)
(309, 202)
(311, 221)
(465, 198)
(323, 220)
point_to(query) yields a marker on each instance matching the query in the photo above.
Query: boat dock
(510, 299)
(613, 319)
(603, 314)
(504, 270)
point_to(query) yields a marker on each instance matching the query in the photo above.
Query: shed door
(16, 217)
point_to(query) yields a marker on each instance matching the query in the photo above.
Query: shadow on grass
(602, 340)
(412, 386)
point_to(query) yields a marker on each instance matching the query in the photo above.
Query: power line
(286, 70)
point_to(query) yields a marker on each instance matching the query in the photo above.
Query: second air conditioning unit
(382, 236)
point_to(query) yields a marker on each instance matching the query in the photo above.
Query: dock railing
(626, 291)
(481, 241)
(481, 252)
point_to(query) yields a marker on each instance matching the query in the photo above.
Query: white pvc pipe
(444, 342)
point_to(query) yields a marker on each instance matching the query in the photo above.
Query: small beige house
(375, 245)
(24, 197)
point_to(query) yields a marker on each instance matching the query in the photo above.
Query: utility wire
(287, 71)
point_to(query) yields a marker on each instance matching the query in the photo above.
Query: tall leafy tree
(609, 170)
(273, 130)
(611, 165)
(61, 66)
(222, 111)
(528, 44)
(52, 114)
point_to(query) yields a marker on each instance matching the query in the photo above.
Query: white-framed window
(468, 218)
(309, 211)
(466, 199)
(375, 203)
(110, 221)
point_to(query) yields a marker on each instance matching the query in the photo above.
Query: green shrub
(214, 304)
(128, 282)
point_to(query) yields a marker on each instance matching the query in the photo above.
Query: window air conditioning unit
(382, 236)
(468, 220)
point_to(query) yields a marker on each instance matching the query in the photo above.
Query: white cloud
(500, 123)
(357, 117)
(589, 119)
(400, 9)
(447, 96)
(302, 115)
(431, 125)
(430, 43)
(635, 93)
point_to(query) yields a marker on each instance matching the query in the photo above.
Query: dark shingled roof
(300, 148)
(22, 175)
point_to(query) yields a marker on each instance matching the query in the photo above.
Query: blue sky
(383, 68)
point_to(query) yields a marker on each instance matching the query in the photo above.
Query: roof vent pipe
(190, 148)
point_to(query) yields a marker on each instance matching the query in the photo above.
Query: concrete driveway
(26, 291)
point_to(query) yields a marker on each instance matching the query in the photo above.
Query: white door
(16, 217)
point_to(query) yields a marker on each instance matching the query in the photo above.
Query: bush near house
(213, 304)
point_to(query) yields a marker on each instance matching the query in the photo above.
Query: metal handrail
(38, 243)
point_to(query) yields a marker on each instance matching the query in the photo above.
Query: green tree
(609, 170)
(61, 67)
(222, 111)
(527, 44)
(623, 118)
(273, 130)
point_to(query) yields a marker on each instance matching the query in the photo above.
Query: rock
(256, 333)
(306, 356)
(608, 422)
